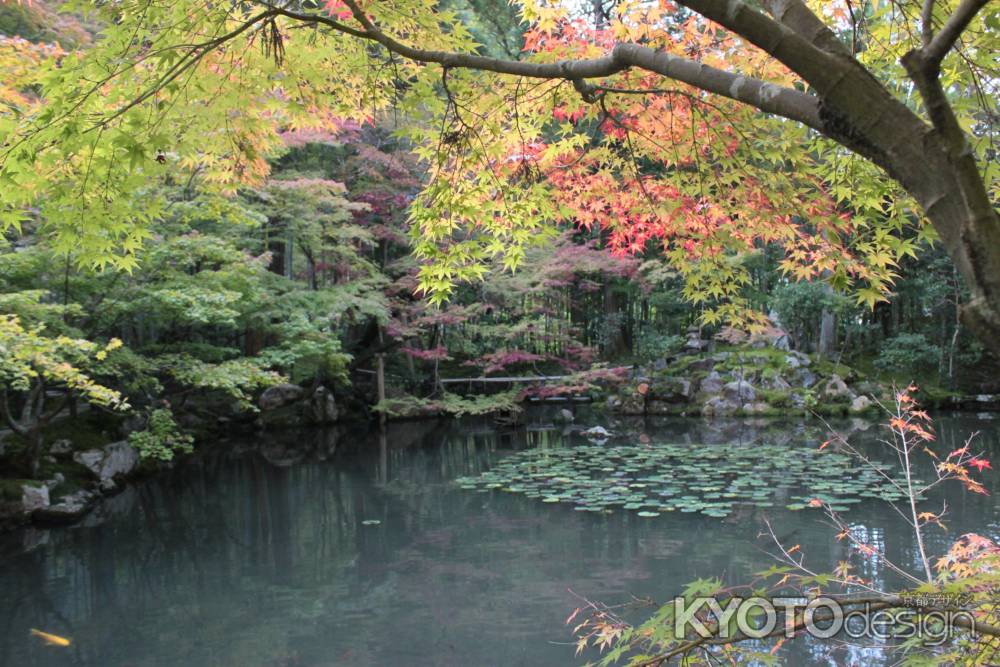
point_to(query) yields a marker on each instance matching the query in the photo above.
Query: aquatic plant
(711, 479)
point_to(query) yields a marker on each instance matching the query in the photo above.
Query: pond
(340, 548)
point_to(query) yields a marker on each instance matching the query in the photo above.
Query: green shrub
(909, 355)
(162, 438)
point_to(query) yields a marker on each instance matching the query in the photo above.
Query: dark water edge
(263, 553)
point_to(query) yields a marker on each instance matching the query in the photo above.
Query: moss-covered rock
(745, 380)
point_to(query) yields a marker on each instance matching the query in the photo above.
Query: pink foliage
(439, 353)
(498, 361)
(576, 356)
(579, 383)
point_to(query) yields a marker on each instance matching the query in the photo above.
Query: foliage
(32, 364)
(800, 306)
(908, 354)
(161, 439)
(702, 179)
(450, 404)
(237, 378)
(653, 345)
(28, 358)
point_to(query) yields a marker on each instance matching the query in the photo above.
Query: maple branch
(927, 23)
(317, 19)
(797, 16)
(8, 416)
(783, 42)
(943, 42)
(768, 97)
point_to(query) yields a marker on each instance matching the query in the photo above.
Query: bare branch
(8, 416)
(940, 45)
(927, 23)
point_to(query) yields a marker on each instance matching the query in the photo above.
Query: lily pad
(664, 477)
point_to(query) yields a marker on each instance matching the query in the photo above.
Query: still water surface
(260, 555)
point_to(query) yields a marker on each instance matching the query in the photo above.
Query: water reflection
(261, 555)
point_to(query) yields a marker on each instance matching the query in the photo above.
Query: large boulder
(90, 459)
(119, 459)
(280, 395)
(664, 408)
(322, 407)
(771, 336)
(34, 497)
(797, 360)
(701, 364)
(711, 383)
(739, 392)
(632, 404)
(672, 390)
(775, 383)
(835, 389)
(861, 404)
(70, 507)
(718, 406)
(289, 405)
(805, 378)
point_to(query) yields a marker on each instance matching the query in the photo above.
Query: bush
(162, 438)
(651, 344)
(909, 355)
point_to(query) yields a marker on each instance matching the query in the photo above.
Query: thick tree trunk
(34, 453)
(613, 322)
(827, 334)
(933, 165)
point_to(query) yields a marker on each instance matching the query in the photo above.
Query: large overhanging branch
(797, 16)
(768, 97)
(778, 40)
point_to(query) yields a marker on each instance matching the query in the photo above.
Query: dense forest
(223, 219)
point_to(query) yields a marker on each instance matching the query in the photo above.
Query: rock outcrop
(746, 380)
(289, 405)
(119, 459)
(280, 395)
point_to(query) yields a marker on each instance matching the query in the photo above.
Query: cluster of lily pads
(712, 480)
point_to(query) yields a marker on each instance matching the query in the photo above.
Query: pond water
(341, 548)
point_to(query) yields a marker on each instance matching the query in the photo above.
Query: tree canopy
(643, 120)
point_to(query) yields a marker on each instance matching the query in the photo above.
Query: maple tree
(32, 364)
(644, 123)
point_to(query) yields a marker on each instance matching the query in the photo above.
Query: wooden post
(383, 456)
(380, 383)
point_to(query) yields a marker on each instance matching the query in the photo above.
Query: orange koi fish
(50, 639)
